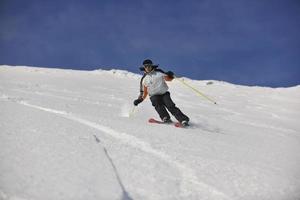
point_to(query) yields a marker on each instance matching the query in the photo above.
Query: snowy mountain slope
(67, 134)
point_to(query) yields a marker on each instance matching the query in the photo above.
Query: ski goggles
(148, 65)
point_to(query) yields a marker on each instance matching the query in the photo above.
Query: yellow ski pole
(195, 90)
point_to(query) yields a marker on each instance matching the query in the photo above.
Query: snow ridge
(244, 148)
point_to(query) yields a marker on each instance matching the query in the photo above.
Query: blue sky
(249, 42)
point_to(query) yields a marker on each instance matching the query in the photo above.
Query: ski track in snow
(189, 182)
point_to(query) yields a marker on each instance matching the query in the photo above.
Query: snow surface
(69, 135)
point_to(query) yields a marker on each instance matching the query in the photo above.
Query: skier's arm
(142, 96)
(145, 93)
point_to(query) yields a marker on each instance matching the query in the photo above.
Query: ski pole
(132, 111)
(195, 90)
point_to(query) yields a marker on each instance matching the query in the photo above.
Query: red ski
(152, 120)
(176, 124)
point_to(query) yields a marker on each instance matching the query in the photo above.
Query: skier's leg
(158, 104)
(173, 109)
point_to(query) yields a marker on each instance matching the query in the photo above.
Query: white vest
(155, 83)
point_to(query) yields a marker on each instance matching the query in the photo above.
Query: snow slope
(67, 135)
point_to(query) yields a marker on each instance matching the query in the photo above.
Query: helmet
(147, 62)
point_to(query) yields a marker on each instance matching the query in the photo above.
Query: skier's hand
(137, 101)
(170, 74)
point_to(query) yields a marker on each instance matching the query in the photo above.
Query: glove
(170, 74)
(137, 101)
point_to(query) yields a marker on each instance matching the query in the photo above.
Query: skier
(154, 83)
